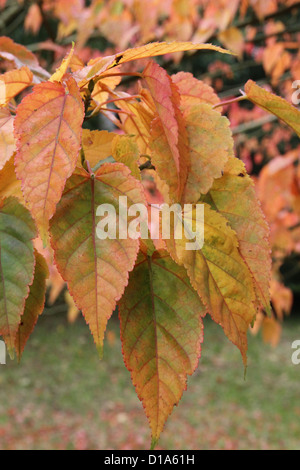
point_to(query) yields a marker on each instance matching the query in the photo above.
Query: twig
(249, 126)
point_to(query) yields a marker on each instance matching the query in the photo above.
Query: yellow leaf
(125, 150)
(274, 104)
(7, 140)
(97, 145)
(218, 273)
(62, 70)
(233, 39)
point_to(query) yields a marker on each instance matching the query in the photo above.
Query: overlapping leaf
(125, 150)
(16, 265)
(149, 50)
(48, 134)
(21, 57)
(97, 145)
(274, 104)
(168, 140)
(219, 274)
(34, 304)
(96, 270)
(12, 83)
(7, 140)
(161, 332)
(9, 184)
(193, 91)
(210, 144)
(234, 197)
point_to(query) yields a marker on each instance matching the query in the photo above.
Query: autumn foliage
(170, 133)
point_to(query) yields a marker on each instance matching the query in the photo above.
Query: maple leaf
(34, 304)
(274, 104)
(48, 134)
(161, 333)
(95, 270)
(234, 197)
(218, 272)
(17, 231)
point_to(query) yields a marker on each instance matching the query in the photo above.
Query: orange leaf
(210, 143)
(48, 133)
(95, 269)
(12, 83)
(193, 91)
(144, 52)
(168, 139)
(21, 56)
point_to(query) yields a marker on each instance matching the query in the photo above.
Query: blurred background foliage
(265, 35)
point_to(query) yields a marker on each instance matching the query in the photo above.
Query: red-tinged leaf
(96, 270)
(218, 272)
(193, 91)
(210, 144)
(274, 104)
(16, 265)
(21, 56)
(7, 140)
(168, 140)
(34, 304)
(12, 83)
(234, 197)
(161, 332)
(17, 53)
(48, 134)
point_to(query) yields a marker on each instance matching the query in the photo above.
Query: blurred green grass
(62, 397)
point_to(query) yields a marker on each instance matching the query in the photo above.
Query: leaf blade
(95, 270)
(17, 231)
(158, 311)
(48, 134)
(274, 104)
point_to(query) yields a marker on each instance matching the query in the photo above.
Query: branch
(249, 126)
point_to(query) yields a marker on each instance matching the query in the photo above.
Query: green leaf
(17, 230)
(161, 332)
